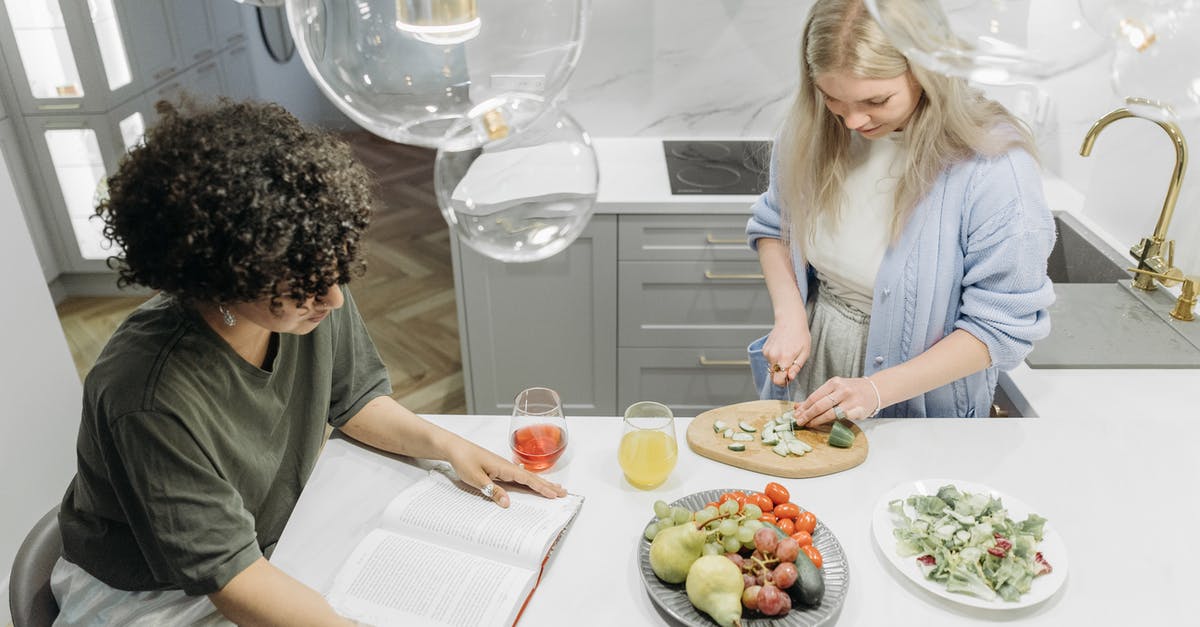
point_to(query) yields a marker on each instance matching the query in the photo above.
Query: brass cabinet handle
(717, 240)
(709, 274)
(704, 361)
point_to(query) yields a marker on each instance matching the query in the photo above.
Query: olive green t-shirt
(191, 459)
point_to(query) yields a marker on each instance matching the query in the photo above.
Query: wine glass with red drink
(538, 431)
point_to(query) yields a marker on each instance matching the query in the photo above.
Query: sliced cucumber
(787, 435)
(737, 446)
(743, 437)
(841, 435)
(728, 433)
(771, 441)
(781, 449)
(747, 427)
(796, 447)
(719, 426)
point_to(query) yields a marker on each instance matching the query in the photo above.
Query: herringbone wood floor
(406, 296)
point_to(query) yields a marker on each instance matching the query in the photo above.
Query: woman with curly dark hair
(206, 410)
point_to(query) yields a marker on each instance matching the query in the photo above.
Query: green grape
(668, 521)
(754, 525)
(712, 548)
(661, 509)
(681, 514)
(652, 530)
(727, 528)
(745, 534)
(731, 544)
(729, 507)
(752, 511)
(705, 515)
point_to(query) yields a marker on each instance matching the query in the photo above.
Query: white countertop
(1117, 488)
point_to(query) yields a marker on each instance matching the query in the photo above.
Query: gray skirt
(839, 343)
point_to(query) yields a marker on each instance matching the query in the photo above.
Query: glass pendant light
(1157, 55)
(406, 70)
(993, 42)
(516, 178)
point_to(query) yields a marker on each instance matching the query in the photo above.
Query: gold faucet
(1187, 296)
(1148, 252)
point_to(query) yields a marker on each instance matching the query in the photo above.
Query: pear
(673, 551)
(714, 586)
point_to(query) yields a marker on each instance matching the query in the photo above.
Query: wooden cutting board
(822, 460)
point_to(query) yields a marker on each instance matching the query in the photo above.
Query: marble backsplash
(687, 68)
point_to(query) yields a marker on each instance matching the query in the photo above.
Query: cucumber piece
(804, 445)
(719, 426)
(841, 435)
(771, 441)
(768, 429)
(742, 437)
(737, 446)
(809, 588)
(787, 435)
(781, 449)
(747, 427)
(728, 433)
(810, 584)
(796, 447)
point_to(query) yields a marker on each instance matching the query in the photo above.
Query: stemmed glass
(648, 451)
(538, 430)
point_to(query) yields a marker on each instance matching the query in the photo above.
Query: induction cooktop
(717, 166)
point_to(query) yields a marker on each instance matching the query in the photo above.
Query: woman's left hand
(480, 468)
(855, 398)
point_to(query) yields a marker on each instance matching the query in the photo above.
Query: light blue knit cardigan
(972, 256)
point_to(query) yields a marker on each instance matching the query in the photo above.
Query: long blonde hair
(952, 121)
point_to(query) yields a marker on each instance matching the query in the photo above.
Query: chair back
(29, 597)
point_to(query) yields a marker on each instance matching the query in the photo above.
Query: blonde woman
(904, 234)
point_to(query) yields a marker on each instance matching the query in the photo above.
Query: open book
(444, 555)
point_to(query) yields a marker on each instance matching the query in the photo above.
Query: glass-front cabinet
(74, 155)
(70, 55)
(83, 78)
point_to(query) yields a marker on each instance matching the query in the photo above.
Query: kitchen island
(1118, 488)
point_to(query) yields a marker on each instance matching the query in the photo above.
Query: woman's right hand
(788, 345)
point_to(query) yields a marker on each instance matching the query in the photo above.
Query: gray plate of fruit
(702, 592)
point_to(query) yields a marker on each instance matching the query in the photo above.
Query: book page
(523, 532)
(392, 579)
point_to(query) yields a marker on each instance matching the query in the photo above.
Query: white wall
(40, 389)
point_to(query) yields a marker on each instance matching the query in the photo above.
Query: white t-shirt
(846, 251)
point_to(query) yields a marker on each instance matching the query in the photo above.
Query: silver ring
(838, 412)
(489, 490)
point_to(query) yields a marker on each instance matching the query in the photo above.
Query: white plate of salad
(970, 544)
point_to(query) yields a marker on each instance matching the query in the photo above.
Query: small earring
(226, 316)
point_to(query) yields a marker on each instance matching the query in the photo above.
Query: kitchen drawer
(684, 238)
(688, 380)
(681, 304)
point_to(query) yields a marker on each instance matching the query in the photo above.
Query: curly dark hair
(237, 201)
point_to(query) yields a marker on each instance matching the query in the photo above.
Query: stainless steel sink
(1097, 320)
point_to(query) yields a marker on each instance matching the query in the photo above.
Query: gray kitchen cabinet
(642, 307)
(226, 18)
(155, 47)
(692, 303)
(193, 30)
(550, 323)
(688, 380)
(17, 172)
(206, 80)
(238, 73)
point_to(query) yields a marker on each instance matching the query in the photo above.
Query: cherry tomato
(731, 496)
(805, 521)
(813, 554)
(768, 518)
(786, 526)
(777, 493)
(787, 510)
(803, 538)
(762, 501)
(740, 497)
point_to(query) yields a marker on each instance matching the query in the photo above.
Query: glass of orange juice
(648, 452)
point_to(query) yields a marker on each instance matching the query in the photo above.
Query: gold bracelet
(878, 399)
